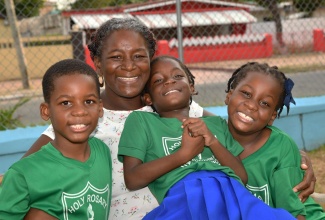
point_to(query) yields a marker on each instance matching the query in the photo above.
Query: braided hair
(190, 76)
(115, 24)
(264, 68)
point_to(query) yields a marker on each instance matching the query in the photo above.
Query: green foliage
(307, 5)
(24, 8)
(7, 120)
(84, 4)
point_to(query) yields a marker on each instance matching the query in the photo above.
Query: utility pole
(179, 30)
(11, 15)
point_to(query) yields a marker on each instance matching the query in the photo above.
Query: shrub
(7, 120)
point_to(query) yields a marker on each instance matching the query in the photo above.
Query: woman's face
(124, 63)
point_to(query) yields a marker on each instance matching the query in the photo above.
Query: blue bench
(304, 124)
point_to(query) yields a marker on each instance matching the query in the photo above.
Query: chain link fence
(216, 37)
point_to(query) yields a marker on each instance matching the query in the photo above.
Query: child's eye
(247, 94)
(263, 103)
(178, 76)
(65, 103)
(90, 102)
(157, 81)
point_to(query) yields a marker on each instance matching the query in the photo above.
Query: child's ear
(275, 113)
(147, 99)
(193, 92)
(44, 111)
(228, 97)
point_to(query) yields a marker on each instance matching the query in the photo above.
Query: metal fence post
(78, 41)
(179, 30)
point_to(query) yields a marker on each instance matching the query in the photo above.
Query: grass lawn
(317, 158)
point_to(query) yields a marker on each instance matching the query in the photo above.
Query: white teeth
(170, 92)
(79, 126)
(245, 116)
(128, 78)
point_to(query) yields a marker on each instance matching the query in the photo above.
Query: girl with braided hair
(256, 95)
(190, 164)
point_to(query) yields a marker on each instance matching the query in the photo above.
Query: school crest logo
(170, 145)
(261, 192)
(87, 203)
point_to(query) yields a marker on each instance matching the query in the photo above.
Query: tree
(272, 6)
(307, 5)
(24, 8)
(84, 4)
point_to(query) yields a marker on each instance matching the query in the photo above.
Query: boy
(69, 178)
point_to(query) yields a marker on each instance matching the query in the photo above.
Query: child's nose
(251, 104)
(169, 81)
(79, 110)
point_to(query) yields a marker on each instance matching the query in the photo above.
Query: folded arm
(138, 174)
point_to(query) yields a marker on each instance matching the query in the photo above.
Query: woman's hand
(307, 185)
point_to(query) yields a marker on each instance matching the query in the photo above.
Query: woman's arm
(307, 185)
(40, 142)
(138, 175)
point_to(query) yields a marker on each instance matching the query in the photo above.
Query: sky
(62, 4)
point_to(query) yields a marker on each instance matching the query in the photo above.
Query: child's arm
(197, 127)
(301, 217)
(36, 214)
(138, 174)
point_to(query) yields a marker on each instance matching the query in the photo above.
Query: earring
(101, 78)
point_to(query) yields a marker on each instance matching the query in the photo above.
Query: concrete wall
(304, 123)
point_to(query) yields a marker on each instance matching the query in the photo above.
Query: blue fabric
(213, 195)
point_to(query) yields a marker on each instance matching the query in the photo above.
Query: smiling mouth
(128, 79)
(78, 127)
(171, 91)
(245, 117)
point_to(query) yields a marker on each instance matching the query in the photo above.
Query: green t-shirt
(147, 136)
(62, 187)
(274, 170)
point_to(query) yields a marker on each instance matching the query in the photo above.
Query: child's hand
(191, 146)
(197, 127)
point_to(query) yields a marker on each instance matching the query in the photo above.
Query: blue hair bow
(288, 85)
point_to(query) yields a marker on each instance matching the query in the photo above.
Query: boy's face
(74, 108)
(169, 86)
(252, 104)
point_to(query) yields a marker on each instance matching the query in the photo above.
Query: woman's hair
(64, 68)
(116, 24)
(264, 68)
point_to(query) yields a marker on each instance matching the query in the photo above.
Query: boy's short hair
(64, 68)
